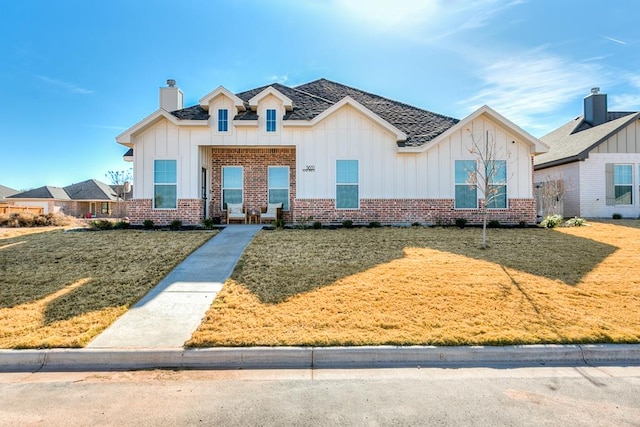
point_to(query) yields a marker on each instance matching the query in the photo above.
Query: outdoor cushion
(272, 208)
(235, 208)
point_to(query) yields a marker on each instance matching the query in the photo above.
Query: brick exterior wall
(408, 211)
(255, 162)
(80, 209)
(189, 211)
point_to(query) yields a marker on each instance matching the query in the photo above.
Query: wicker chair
(236, 212)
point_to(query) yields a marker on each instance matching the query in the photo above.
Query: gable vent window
(271, 120)
(223, 120)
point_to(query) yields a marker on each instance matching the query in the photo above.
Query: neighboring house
(6, 192)
(88, 198)
(326, 151)
(594, 160)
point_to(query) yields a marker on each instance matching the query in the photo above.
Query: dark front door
(204, 192)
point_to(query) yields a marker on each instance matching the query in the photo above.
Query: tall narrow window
(623, 184)
(347, 184)
(279, 186)
(165, 180)
(231, 185)
(497, 174)
(271, 120)
(223, 120)
(465, 183)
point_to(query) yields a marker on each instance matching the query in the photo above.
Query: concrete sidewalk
(168, 315)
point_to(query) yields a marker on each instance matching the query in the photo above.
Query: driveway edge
(89, 359)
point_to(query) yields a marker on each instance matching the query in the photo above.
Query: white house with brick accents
(596, 157)
(323, 150)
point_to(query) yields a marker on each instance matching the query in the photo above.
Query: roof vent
(172, 83)
(594, 90)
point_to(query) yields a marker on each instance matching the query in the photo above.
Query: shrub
(27, 219)
(176, 224)
(121, 225)
(278, 223)
(461, 222)
(576, 222)
(551, 221)
(416, 224)
(347, 223)
(522, 224)
(317, 225)
(101, 224)
(494, 223)
(208, 223)
(147, 224)
(616, 216)
(375, 224)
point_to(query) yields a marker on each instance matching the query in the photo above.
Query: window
(231, 185)
(347, 184)
(223, 120)
(104, 207)
(271, 120)
(466, 192)
(623, 184)
(165, 180)
(279, 186)
(497, 172)
(619, 184)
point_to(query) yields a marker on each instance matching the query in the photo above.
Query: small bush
(278, 223)
(551, 221)
(208, 223)
(616, 216)
(576, 222)
(121, 225)
(375, 224)
(461, 222)
(176, 224)
(347, 223)
(416, 224)
(494, 223)
(522, 224)
(147, 224)
(317, 225)
(101, 224)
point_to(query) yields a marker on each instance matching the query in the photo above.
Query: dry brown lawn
(61, 289)
(431, 286)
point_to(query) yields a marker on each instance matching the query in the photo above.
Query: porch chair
(271, 212)
(236, 212)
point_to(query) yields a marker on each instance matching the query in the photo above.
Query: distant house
(324, 150)
(90, 198)
(6, 192)
(594, 162)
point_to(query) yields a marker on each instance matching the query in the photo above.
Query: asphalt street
(540, 396)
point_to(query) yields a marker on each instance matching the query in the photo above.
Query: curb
(315, 357)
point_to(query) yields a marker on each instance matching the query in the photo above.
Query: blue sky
(75, 74)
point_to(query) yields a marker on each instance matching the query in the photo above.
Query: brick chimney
(171, 96)
(595, 107)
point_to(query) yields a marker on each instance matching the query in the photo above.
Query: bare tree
(121, 180)
(488, 175)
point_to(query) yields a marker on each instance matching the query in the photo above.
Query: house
(325, 151)
(90, 198)
(592, 168)
(6, 192)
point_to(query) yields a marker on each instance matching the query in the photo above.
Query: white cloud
(278, 79)
(625, 102)
(532, 85)
(614, 40)
(69, 87)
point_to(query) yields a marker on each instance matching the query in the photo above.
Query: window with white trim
(347, 184)
(623, 184)
(232, 185)
(466, 190)
(165, 184)
(497, 173)
(223, 120)
(278, 177)
(271, 120)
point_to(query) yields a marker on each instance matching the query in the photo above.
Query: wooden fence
(9, 209)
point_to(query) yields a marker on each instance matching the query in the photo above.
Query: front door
(204, 192)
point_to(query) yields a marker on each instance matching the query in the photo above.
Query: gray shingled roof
(6, 191)
(573, 141)
(311, 99)
(91, 189)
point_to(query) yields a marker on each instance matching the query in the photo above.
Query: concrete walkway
(168, 315)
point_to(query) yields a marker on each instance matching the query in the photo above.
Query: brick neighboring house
(90, 198)
(595, 161)
(325, 150)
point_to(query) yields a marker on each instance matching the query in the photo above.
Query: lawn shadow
(279, 265)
